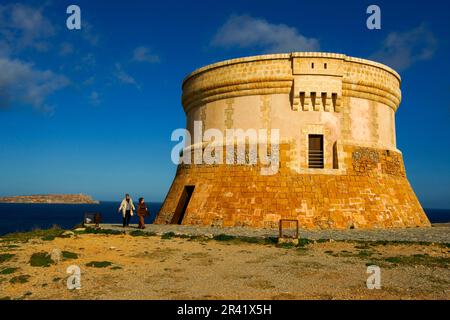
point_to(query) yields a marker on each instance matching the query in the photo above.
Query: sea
(20, 217)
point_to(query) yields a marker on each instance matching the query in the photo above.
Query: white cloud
(245, 31)
(143, 54)
(89, 81)
(21, 82)
(402, 49)
(65, 49)
(87, 31)
(124, 77)
(22, 26)
(89, 60)
(94, 98)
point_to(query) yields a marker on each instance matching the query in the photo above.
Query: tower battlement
(336, 75)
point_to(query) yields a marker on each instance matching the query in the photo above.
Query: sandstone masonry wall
(348, 101)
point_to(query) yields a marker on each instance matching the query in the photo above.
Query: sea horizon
(24, 217)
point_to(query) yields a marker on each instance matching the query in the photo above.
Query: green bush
(20, 279)
(6, 257)
(69, 255)
(90, 230)
(420, 259)
(286, 245)
(168, 235)
(303, 242)
(224, 237)
(48, 234)
(138, 233)
(40, 259)
(8, 270)
(99, 264)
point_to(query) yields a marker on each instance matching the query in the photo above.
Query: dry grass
(171, 267)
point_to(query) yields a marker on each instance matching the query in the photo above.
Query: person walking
(127, 208)
(142, 212)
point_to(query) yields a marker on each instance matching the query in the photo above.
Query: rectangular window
(315, 152)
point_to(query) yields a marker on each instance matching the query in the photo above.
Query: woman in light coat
(127, 208)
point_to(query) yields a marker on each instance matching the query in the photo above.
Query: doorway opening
(182, 205)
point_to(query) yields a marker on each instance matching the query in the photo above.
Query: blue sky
(92, 110)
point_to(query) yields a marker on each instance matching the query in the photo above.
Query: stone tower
(339, 165)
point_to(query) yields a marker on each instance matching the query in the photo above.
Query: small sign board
(288, 229)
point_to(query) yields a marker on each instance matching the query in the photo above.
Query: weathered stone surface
(56, 255)
(350, 102)
(68, 233)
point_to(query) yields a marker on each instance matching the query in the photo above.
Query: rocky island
(51, 199)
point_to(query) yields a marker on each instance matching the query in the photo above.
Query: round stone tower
(338, 167)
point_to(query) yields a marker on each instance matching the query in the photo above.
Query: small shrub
(40, 259)
(8, 270)
(90, 230)
(393, 259)
(420, 259)
(195, 238)
(371, 264)
(286, 245)
(20, 279)
(365, 253)
(99, 264)
(48, 234)
(168, 235)
(303, 242)
(116, 268)
(271, 240)
(252, 240)
(69, 255)
(138, 233)
(6, 257)
(224, 237)
(12, 246)
(48, 238)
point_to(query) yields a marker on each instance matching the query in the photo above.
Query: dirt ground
(182, 268)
